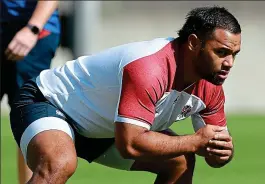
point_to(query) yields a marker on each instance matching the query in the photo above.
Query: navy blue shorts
(15, 73)
(30, 106)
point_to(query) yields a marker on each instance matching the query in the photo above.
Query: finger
(17, 51)
(218, 152)
(11, 56)
(7, 52)
(220, 144)
(223, 137)
(21, 53)
(10, 49)
(218, 128)
(224, 158)
(14, 52)
(220, 158)
(12, 44)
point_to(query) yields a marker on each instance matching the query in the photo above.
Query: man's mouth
(223, 74)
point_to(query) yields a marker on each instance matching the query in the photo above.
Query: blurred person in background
(30, 35)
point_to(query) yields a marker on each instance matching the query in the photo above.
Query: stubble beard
(202, 67)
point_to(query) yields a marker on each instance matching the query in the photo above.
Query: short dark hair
(203, 21)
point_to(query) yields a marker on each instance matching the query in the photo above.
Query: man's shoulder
(144, 50)
(151, 62)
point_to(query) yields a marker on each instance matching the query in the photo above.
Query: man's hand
(21, 44)
(220, 150)
(204, 135)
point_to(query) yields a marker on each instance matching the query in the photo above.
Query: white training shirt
(132, 83)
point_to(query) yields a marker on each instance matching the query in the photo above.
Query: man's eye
(221, 53)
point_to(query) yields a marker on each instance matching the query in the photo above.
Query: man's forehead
(226, 38)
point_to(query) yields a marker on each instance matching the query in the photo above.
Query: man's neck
(185, 68)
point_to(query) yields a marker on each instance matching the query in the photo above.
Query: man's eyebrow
(228, 50)
(221, 44)
(224, 48)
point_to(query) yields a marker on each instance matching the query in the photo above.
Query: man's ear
(194, 43)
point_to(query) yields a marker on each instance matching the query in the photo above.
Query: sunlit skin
(217, 56)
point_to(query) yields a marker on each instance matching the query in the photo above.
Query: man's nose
(229, 61)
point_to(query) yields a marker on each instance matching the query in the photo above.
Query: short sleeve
(143, 84)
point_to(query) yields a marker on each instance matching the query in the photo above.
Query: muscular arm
(135, 142)
(143, 85)
(42, 13)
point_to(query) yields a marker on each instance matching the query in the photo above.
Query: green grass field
(246, 168)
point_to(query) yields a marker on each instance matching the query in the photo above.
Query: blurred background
(91, 26)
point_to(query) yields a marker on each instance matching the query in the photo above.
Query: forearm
(157, 146)
(42, 13)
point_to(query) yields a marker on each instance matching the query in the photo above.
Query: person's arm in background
(19, 47)
(25, 39)
(42, 13)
